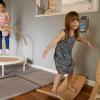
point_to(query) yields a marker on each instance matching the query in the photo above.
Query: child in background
(4, 23)
(64, 43)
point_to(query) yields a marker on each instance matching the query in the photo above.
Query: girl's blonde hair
(71, 16)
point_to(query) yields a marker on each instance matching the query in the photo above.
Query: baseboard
(89, 82)
(44, 68)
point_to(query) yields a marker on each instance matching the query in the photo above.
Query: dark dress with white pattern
(63, 56)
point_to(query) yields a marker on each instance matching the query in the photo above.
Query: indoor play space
(31, 24)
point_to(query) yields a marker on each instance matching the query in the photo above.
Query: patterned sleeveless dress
(63, 56)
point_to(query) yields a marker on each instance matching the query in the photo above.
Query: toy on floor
(63, 92)
(8, 60)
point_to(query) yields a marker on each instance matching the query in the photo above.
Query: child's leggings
(6, 41)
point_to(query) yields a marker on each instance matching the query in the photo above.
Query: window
(79, 5)
(55, 7)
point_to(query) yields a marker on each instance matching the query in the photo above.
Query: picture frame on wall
(84, 24)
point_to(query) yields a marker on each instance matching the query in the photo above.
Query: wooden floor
(83, 95)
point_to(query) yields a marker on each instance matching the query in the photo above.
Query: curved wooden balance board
(63, 92)
(50, 94)
(68, 94)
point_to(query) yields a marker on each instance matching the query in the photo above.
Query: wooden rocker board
(63, 92)
(50, 94)
(68, 94)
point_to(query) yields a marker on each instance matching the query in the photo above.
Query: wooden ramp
(63, 92)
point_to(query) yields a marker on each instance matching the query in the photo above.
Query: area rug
(16, 82)
(13, 70)
(14, 86)
(40, 77)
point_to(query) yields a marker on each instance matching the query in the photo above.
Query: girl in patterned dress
(64, 43)
(4, 30)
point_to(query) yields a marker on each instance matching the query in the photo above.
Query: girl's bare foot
(54, 91)
(72, 88)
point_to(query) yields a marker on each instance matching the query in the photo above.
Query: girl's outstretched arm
(53, 43)
(84, 41)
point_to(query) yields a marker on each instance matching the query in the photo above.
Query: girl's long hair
(71, 16)
(3, 3)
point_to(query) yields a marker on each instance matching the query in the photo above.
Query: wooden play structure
(95, 95)
(63, 92)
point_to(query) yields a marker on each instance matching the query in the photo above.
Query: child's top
(3, 22)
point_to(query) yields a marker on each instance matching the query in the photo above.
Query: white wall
(8, 4)
(42, 30)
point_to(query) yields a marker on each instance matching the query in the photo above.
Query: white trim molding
(89, 82)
